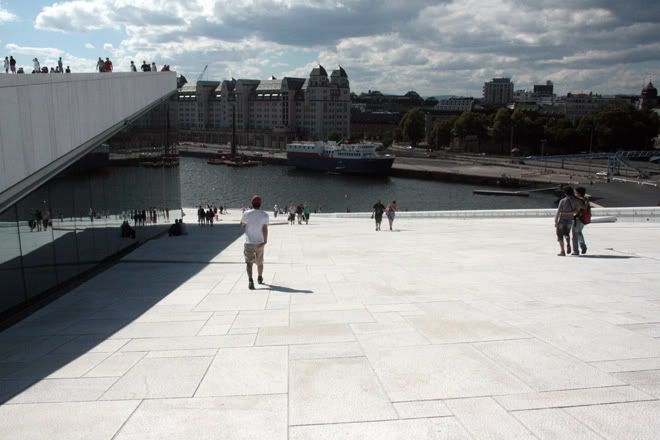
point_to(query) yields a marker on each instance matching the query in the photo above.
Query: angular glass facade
(74, 221)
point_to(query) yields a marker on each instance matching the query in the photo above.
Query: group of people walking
(146, 67)
(103, 66)
(300, 213)
(573, 213)
(142, 217)
(209, 215)
(379, 209)
(9, 64)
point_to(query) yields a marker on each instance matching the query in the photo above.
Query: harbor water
(202, 183)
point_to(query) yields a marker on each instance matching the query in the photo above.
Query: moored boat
(342, 157)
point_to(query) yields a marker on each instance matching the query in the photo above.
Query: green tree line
(613, 127)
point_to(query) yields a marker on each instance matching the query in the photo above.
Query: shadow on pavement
(275, 288)
(84, 319)
(609, 257)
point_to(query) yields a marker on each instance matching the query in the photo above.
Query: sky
(435, 47)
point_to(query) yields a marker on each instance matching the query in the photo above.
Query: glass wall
(74, 221)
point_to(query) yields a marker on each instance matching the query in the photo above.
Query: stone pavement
(442, 329)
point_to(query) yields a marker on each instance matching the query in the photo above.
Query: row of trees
(613, 127)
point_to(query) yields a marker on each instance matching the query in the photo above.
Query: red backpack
(585, 213)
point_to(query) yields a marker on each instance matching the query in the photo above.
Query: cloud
(89, 46)
(86, 16)
(432, 46)
(6, 16)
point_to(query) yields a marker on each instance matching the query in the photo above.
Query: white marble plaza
(442, 329)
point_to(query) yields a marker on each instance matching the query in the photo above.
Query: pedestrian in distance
(306, 213)
(6, 64)
(12, 64)
(67, 70)
(60, 65)
(582, 217)
(153, 67)
(36, 65)
(275, 209)
(564, 218)
(292, 214)
(255, 224)
(133, 68)
(378, 210)
(100, 65)
(391, 212)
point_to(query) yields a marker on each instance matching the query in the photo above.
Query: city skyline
(433, 47)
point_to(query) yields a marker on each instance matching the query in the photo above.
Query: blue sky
(436, 47)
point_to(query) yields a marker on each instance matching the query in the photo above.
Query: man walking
(566, 209)
(6, 65)
(378, 210)
(582, 218)
(255, 223)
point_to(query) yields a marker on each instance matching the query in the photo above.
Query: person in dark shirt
(566, 210)
(378, 210)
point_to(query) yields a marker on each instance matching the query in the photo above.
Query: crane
(201, 75)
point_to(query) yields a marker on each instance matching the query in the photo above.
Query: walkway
(442, 329)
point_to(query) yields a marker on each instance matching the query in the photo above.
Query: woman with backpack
(582, 217)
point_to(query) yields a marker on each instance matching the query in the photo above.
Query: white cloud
(6, 16)
(89, 46)
(433, 46)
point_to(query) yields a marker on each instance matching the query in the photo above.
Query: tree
(622, 126)
(413, 125)
(471, 124)
(502, 125)
(441, 132)
(387, 139)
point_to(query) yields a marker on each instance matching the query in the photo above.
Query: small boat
(488, 192)
(240, 162)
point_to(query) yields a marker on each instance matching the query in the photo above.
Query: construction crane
(201, 75)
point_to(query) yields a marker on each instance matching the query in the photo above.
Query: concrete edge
(636, 212)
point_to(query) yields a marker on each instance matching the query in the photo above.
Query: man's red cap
(256, 201)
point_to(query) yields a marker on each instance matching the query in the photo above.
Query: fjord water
(202, 183)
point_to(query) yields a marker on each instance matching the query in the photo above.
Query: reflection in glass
(85, 213)
(11, 276)
(101, 210)
(35, 228)
(64, 229)
(72, 222)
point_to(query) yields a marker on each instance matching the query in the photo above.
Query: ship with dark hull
(341, 157)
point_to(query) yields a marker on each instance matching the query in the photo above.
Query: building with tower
(268, 113)
(649, 97)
